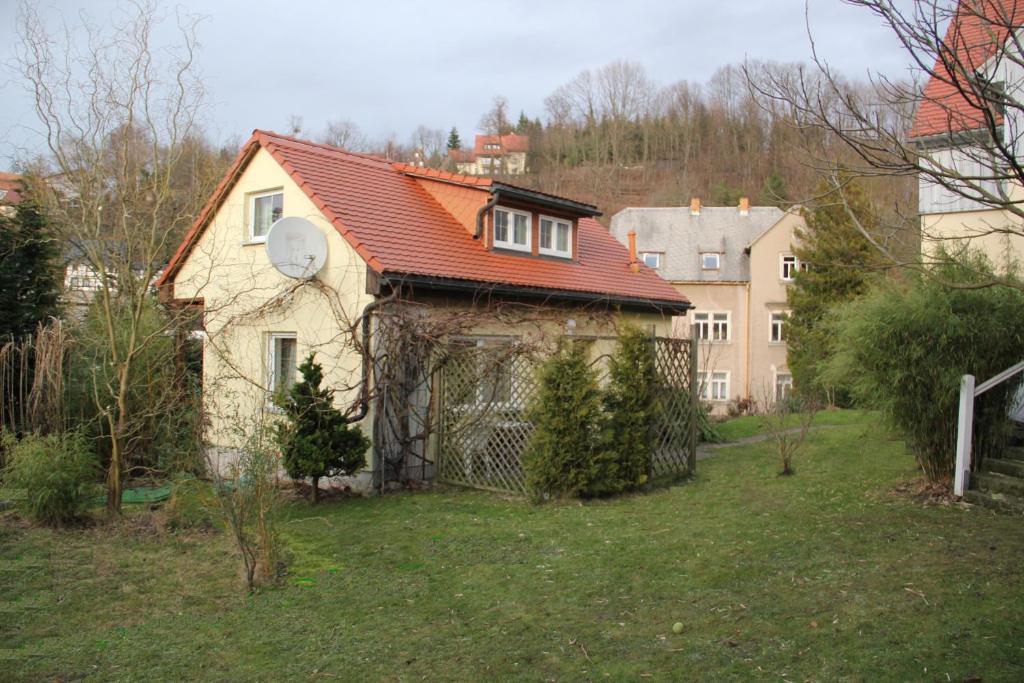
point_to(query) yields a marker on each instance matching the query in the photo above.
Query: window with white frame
(788, 266)
(777, 326)
(511, 229)
(282, 362)
(783, 386)
(555, 237)
(710, 260)
(264, 209)
(702, 321)
(652, 259)
(715, 389)
(712, 326)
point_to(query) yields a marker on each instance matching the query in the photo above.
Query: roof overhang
(477, 287)
(544, 200)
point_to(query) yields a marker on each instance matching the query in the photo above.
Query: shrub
(193, 504)
(561, 457)
(58, 474)
(903, 347)
(629, 409)
(315, 440)
(248, 501)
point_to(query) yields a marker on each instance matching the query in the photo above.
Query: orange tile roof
(975, 34)
(11, 184)
(507, 143)
(399, 229)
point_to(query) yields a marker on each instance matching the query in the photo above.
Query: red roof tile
(10, 183)
(506, 143)
(975, 34)
(397, 227)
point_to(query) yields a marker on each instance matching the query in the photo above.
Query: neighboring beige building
(529, 264)
(493, 155)
(734, 263)
(958, 134)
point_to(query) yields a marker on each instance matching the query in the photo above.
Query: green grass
(824, 575)
(750, 425)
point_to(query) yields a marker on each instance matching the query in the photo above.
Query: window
(555, 237)
(710, 261)
(266, 208)
(512, 229)
(712, 326)
(282, 363)
(783, 386)
(715, 390)
(651, 259)
(788, 267)
(778, 326)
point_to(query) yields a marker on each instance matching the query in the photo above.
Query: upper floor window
(512, 229)
(788, 266)
(492, 145)
(778, 326)
(710, 261)
(555, 237)
(265, 209)
(651, 259)
(712, 326)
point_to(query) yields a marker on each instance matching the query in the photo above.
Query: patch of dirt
(922, 491)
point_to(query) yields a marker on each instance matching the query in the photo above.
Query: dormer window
(710, 261)
(512, 229)
(555, 237)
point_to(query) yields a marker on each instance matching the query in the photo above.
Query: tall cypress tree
(840, 264)
(30, 276)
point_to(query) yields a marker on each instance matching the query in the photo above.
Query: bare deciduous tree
(119, 113)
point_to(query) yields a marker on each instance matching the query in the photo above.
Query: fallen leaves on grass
(921, 490)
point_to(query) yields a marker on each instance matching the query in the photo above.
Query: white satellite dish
(296, 247)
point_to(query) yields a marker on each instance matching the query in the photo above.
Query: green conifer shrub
(560, 459)
(315, 440)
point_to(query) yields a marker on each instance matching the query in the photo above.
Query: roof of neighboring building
(975, 34)
(10, 188)
(399, 229)
(507, 143)
(683, 237)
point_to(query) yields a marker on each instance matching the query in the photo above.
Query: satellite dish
(296, 247)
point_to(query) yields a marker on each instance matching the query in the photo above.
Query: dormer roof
(402, 232)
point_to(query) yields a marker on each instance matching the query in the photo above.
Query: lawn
(824, 575)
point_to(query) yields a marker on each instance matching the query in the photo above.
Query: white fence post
(964, 430)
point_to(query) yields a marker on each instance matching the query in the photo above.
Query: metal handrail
(965, 422)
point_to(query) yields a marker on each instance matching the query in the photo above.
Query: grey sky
(391, 65)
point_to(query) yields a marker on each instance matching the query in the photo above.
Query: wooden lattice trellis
(485, 387)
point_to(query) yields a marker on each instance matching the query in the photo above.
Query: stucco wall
(768, 294)
(246, 300)
(974, 229)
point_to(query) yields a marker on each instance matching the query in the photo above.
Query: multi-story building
(493, 155)
(969, 126)
(734, 263)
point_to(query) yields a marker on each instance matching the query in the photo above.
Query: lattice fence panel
(485, 391)
(675, 445)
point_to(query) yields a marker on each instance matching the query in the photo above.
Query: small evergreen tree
(30, 278)
(629, 405)
(841, 263)
(523, 125)
(774, 191)
(565, 412)
(315, 440)
(454, 141)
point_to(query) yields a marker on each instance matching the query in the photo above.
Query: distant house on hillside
(492, 155)
(958, 130)
(734, 264)
(10, 192)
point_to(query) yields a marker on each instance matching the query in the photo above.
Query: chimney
(695, 206)
(634, 264)
(744, 206)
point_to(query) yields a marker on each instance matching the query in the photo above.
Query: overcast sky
(390, 66)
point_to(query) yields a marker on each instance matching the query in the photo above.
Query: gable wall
(246, 299)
